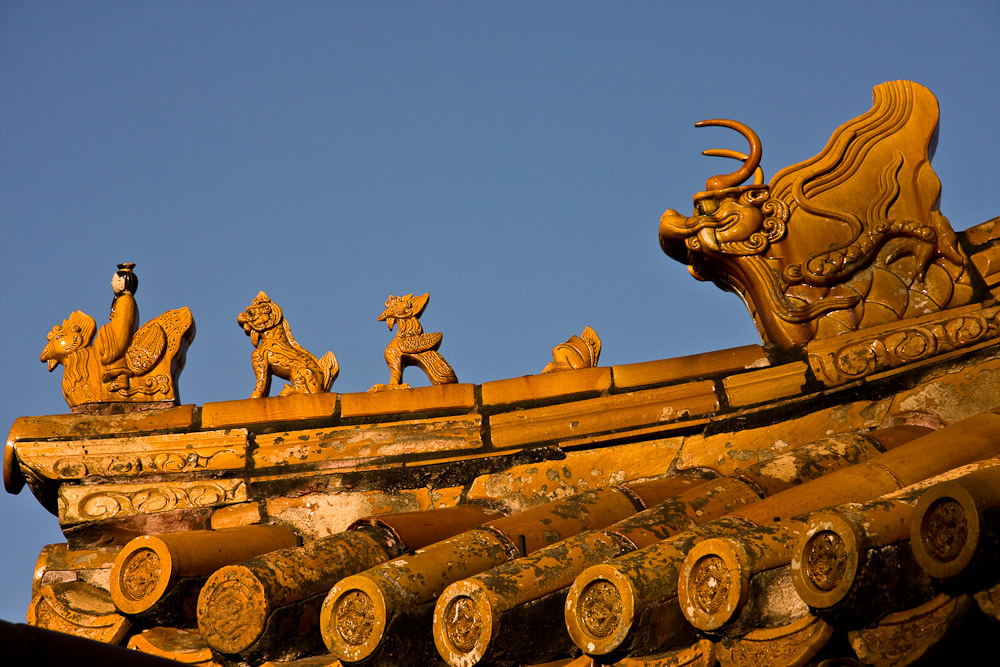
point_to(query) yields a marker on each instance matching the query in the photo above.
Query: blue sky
(510, 158)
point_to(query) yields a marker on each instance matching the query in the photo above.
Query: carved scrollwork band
(131, 464)
(837, 361)
(78, 504)
(127, 457)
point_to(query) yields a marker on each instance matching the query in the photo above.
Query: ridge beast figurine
(411, 346)
(124, 364)
(581, 351)
(849, 239)
(277, 353)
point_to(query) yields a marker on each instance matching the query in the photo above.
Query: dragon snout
(677, 227)
(390, 320)
(248, 321)
(48, 357)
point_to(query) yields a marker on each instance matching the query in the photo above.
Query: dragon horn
(750, 164)
(758, 173)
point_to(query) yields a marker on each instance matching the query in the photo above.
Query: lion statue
(277, 353)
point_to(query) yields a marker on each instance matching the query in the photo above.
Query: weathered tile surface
(244, 514)
(59, 563)
(321, 514)
(340, 444)
(134, 456)
(182, 645)
(984, 232)
(691, 367)
(84, 426)
(418, 399)
(547, 385)
(728, 452)
(952, 393)
(527, 485)
(266, 410)
(767, 384)
(607, 413)
(77, 608)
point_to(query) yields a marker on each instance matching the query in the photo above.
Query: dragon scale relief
(847, 240)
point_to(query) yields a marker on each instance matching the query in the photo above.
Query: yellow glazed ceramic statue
(849, 239)
(411, 346)
(277, 353)
(123, 364)
(581, 351)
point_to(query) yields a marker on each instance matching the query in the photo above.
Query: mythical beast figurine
(125, 364)
(277, 353)
(849, 239)
(581, 351)
(411, 346)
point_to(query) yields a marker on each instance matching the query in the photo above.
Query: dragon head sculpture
(262, 314)
(402, 308)
(849, 239)
(73, 335)
(729, 218)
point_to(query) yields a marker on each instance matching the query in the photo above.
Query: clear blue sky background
(510, 158)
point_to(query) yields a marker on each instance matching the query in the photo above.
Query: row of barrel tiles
(483, 585)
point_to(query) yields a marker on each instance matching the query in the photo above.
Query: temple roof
(823, 495)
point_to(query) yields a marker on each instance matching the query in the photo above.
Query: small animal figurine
(277, 353)
(411, 346)
(581, 351)
(126, 363)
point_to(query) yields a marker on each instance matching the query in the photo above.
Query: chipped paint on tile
(528, 485)
(729, 452)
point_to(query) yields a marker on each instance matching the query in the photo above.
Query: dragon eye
(707, 206)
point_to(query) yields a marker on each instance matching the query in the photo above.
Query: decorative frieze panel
(130, 457)
(854, 357)
(78, 504)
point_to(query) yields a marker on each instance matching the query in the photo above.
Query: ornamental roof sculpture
(411, 346)
(581, 351)
(847, 240)
(126, 363)
(277, 353)
(830, 495)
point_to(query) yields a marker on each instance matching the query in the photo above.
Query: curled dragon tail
(438, 370)
(330, 369)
